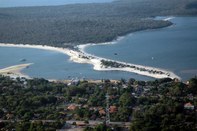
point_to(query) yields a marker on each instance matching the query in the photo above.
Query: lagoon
(55, 65)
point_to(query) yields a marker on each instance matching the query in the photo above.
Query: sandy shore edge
(167, 74)
(80, 56)
(15, 71)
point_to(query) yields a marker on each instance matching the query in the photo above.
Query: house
(85, 106)
(9, 116)
(176, 80)
(113, 109)
(74, 82)
(102, 112)
(72, 107)
(81, 123)
(93, 109)
(189, 106)
(187, 83)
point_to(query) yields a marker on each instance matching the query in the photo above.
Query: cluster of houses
(189, 106)
(101, 110)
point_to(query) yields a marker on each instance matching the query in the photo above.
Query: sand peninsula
(15, 71)
(102, 64)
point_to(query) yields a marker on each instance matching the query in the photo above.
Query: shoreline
(15, 71)
(167, 74)
(82, 57)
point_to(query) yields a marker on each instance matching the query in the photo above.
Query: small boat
(23, 60)
(115, 54)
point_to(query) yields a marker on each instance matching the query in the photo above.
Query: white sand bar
(15, 71)
(80, 56)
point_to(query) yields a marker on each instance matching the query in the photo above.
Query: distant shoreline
(83, 57)
(44, 4)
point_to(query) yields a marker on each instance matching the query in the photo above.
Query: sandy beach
(80, 56)
(166, 74)
(15, 71)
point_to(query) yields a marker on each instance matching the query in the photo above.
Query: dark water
(20, 3)
(173, 48)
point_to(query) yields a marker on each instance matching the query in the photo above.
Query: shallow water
(55, 65)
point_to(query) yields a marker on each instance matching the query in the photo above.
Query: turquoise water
(173, 48)
(20, 3)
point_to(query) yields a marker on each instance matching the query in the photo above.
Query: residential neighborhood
(87, 105)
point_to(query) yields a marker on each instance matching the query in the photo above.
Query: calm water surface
(173, 48)
(20, 3)
(54, 65)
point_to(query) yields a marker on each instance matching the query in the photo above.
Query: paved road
(91, 123)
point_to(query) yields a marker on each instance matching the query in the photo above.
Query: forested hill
(86, 23)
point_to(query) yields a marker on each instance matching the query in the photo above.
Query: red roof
(72, 107)
(188, 105)
(102, 112)
(113, 109)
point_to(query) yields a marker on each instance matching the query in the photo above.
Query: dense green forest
(38, 104)
(86, 23)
